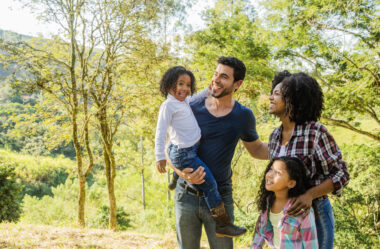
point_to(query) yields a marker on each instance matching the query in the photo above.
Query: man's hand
(300, 205)
(195, 177)
(161, 166)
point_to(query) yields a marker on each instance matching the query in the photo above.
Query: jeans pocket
(178, 196)
(326, 216)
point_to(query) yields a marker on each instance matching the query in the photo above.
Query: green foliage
(123, 221)
(23, 128)
(10, 206)
(57, 210)
(337, 42)
(357, 212)
(7, 124)
(232, 31)
(38, 174)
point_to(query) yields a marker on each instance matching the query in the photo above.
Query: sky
(14, 18)
(20, 20)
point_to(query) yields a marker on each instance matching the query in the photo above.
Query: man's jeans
(187, 158)
(325, 224)
(191, 212)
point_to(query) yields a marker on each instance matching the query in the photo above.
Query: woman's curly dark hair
(302, 95)
(170, 77)
(296, 170)
(279, 77)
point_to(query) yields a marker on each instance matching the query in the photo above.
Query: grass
(17, 236)
(26, 236)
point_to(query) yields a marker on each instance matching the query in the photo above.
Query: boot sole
(220, 235)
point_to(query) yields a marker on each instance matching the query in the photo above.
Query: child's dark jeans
(187, 158)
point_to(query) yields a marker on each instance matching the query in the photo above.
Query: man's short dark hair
(303, 98)
(236, 64)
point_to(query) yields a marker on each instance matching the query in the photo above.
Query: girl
(175, 115)
(284, 178)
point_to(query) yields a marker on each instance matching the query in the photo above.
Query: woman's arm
(329, 157)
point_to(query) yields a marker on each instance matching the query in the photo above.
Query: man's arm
(257, 149)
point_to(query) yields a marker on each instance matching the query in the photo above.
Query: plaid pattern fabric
(295, 232)
(312, 143)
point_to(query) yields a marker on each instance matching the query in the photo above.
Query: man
(223, 121)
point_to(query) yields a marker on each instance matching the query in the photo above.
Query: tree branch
(345, 124)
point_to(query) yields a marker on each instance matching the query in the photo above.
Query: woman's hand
(300, 205)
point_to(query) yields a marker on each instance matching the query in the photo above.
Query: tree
(123, 29)
(338, 43)
(51, 65)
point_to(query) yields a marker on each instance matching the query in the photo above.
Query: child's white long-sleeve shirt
(177, 117)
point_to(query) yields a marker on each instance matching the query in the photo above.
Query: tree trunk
(111, 190)
(142, 173)
(110, 165)
(75, 105)
(82, 179)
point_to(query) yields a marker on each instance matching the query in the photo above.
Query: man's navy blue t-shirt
(220, 136)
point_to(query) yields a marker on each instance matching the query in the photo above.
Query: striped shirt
(295, 232)
(312, 143)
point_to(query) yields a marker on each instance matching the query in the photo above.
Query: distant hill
(7, 35)
(11, 36)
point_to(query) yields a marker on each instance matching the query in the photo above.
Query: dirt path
(17, 236)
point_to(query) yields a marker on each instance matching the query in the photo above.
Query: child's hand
(161, 166)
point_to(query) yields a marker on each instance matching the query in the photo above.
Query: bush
(123, 221)
(10, 207)
(59, 210)
(357, 211)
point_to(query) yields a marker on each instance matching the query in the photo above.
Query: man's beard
(225, 92)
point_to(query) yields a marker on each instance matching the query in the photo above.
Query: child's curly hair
(170, 77)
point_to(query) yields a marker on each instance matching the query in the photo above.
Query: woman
(298, 101)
